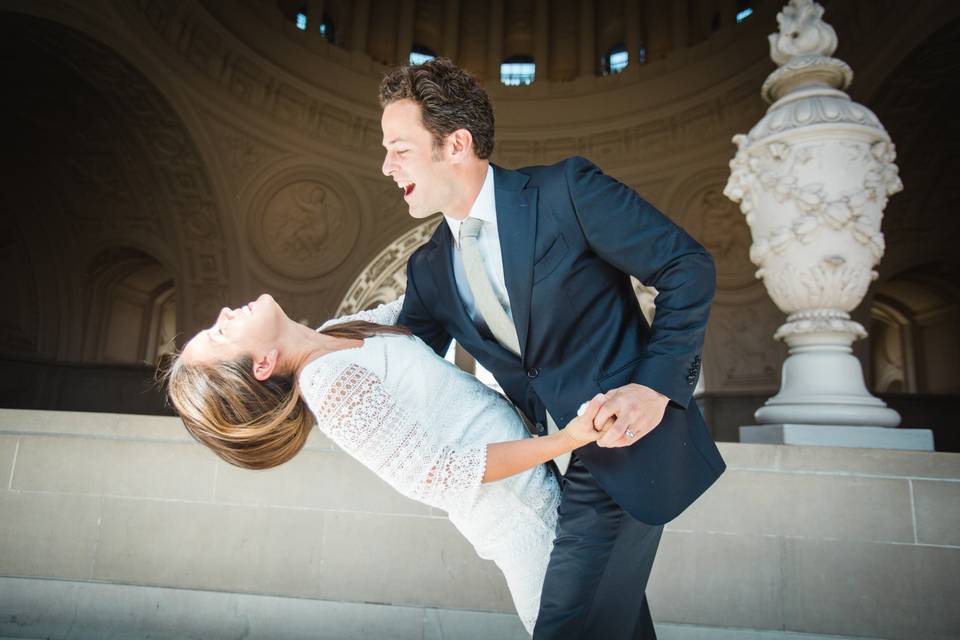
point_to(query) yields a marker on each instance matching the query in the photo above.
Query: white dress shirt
(488, 241)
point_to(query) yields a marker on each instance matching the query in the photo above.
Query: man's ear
(263, 368)
(460, 144)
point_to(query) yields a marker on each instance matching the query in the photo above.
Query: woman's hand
(581, 429)
(505, 459)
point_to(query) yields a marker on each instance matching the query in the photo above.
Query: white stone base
(819, 435)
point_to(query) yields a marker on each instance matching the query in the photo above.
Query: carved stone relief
(739, 353)
(260, 87)
(386, 199)
(185, 28)
(653, 191)
(718, 225)
(245, 155)
(303, 222)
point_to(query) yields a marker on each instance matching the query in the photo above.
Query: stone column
(657, 34)
(361, 24)
(405, 32)
(315, 10)
(463, 359)
(541, 39)
(451, 29)
(728, 15)
(588, 46)
(631, 17)
(679, 24)
(812, 178)
(495, 46)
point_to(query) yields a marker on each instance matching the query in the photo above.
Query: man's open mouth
(407, 188)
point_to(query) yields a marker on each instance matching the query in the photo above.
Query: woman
(251, 386)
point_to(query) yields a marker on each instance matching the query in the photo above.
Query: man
(530, 272)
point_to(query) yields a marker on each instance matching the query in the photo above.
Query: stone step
(70, 610)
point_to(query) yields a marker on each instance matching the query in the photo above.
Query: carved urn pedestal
(812, 178)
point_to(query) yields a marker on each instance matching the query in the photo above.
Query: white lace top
(422, 424)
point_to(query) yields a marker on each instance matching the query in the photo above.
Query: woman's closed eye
(216, 333)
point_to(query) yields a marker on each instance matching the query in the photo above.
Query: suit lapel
(441, 268)
(517, 225)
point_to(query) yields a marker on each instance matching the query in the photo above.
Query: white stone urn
(812, 178)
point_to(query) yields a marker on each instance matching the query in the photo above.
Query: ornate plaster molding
(201, 43)
(802, 33)
(178, 214)
(385, 277)
(303, 222)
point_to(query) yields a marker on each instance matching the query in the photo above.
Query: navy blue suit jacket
(570, 238)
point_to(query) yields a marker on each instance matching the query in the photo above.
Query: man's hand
(638, 409)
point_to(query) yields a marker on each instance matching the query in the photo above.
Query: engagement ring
(631, 434)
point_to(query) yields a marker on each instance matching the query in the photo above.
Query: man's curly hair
(449, 99)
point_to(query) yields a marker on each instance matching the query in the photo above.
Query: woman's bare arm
(505, 459)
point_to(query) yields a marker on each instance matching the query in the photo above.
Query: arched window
(328, 29)
(891, 348)
(616, 60)
(518, 70)
(132, 308)
(913, 341)
(301, 18)
(420, 54)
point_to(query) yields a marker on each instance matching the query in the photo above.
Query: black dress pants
(598, 571)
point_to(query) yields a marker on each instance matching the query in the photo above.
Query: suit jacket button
(533, 373)
(540, 428)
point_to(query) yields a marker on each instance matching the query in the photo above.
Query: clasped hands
(619, 417)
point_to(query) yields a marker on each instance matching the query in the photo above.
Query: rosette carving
(303, 224)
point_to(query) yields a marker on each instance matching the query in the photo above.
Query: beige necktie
(490, 308)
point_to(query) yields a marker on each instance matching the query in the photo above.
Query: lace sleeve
(355, 411)
(386, 313)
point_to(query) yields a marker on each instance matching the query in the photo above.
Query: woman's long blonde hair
(249, 423)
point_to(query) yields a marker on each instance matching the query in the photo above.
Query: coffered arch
(99, 157)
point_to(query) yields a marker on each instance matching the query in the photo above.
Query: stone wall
(101, 510)
(184, 131)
